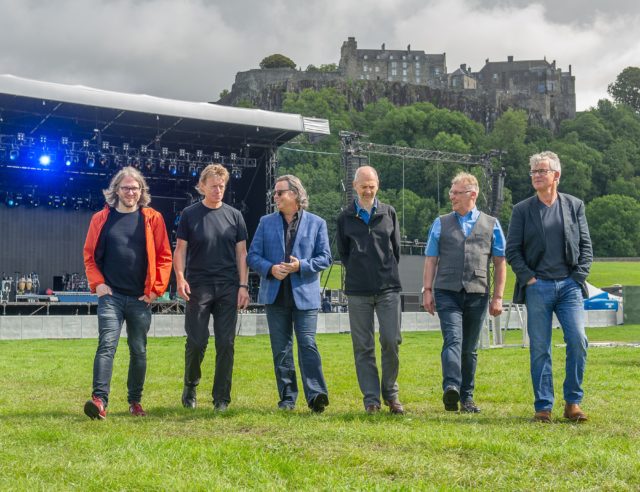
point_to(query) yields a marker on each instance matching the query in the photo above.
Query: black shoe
(450, 398)
(221, 406)
(287, 406)
(189, 397)
(469, 406)
(319, 403)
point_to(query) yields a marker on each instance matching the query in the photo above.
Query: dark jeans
(461, 317)
(220, 300)
(113, 310)
(282, 322)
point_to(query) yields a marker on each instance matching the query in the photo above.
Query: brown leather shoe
(395, 406)
(543, 416)
(573, 412)
(372, 409)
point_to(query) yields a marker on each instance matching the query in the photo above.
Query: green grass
(46, 442)
(603, 274)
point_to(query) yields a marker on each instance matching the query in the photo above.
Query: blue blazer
(311, 247)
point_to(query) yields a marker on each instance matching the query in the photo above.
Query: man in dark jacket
(369, 246)
(549, 250)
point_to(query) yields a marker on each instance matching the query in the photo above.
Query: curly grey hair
(551, 157)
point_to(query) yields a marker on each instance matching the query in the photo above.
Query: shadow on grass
(239, 413)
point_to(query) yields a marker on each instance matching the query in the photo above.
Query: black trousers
(221, 301)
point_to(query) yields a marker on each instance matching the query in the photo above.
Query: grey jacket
(526, 246)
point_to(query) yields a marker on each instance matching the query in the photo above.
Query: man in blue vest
(456, 285)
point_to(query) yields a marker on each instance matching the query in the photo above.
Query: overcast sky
(191, 50)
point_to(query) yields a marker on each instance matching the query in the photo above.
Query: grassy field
(603, 274)
(46, 442)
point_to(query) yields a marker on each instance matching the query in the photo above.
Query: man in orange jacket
(127, 258)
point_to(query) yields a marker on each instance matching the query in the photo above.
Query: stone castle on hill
(404, 77)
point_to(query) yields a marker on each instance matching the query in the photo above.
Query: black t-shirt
(212, 235)
(123, 258)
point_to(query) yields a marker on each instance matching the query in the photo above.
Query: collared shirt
(362, 213)
(466, 224)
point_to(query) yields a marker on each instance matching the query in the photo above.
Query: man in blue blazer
(549, 250)
(289, 250)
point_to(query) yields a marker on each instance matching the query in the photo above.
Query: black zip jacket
(370, 252)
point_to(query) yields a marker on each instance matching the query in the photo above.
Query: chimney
(510, 58)
(382, 46)
(408, 47)
(463, 67)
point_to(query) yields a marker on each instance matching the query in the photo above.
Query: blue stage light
(45, 159)
(91, 161)
(67, 160)
(13, 154)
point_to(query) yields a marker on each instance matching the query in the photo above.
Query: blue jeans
(564, 297)
(113, 310)
(461, 317)
(282, 321)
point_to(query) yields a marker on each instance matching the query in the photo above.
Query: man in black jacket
(549, 250)
(369, 246)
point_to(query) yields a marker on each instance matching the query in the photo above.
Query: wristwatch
(424, 289)
(243, 285)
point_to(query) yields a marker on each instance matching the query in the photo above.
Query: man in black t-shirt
(212, 276)
(128, 263)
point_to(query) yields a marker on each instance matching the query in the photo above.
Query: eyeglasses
(540, 172)
(279, 192)
(130, 189)
(458, 193)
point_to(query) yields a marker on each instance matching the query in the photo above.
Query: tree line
(599, 151)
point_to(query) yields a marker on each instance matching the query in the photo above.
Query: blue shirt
(362, 213)
(466, 224)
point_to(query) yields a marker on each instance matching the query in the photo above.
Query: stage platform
(249, 324)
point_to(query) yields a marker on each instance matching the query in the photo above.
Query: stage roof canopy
(35, 108)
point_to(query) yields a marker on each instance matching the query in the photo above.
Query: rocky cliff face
(266, 89)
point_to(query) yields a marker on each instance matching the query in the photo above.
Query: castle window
(495, 77)
(404, 79)
(390, 57)
(365, 68)
(367, 77)
(404, 72)
(436, 71)
(418, 80)
(394, 72)
(365, 57)
(394, 64)
(404, 57)
(417, 65)
(404, 64)
(377, 69)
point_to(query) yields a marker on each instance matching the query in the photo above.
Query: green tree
(614, 223)
(626, 88)
(277, 61)
(578, 161)
(415, 213)
(590, 130)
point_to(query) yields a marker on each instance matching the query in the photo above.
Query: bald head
(365, 173)
(365, 183)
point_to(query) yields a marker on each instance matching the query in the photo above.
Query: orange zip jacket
(158, 251)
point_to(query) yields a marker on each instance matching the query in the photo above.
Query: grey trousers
(387, 308)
